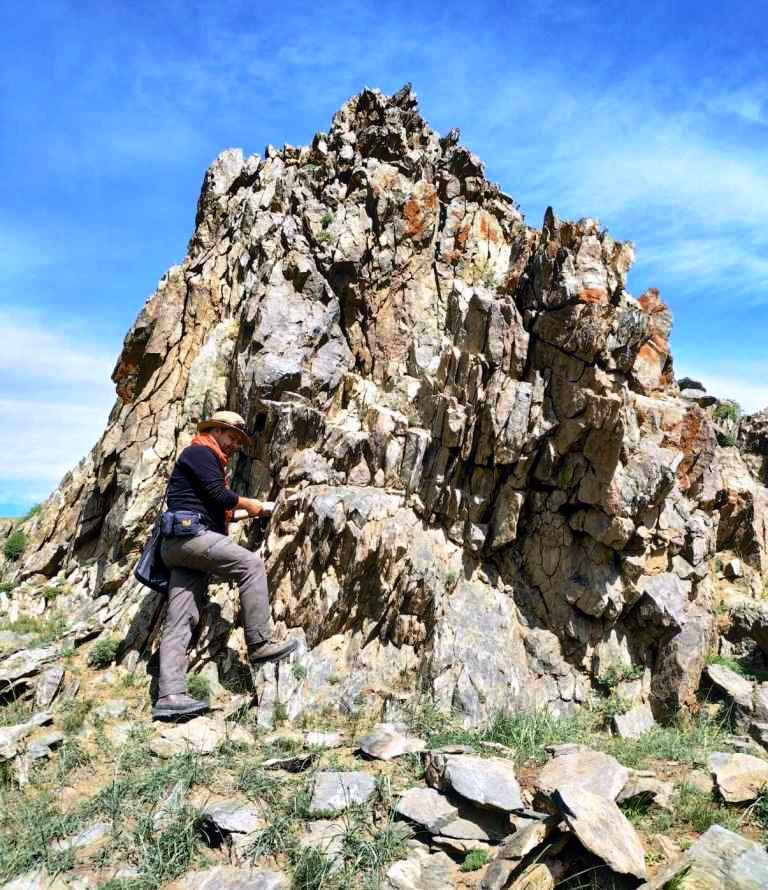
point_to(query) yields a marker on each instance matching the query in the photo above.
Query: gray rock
(43, 745)
(296, 763)
(327, 836)
(48, 685)
(602, 829)
(388, 740)
(733, 569)
(224, 877)
(84, 838)
(635, 722)
(112, 710)
(536, 877)
(316, 739)
(739, 777)
(486, 781)
(650, 789)
(10, 736)
(201, 735)
(735, 687)
(36, 880)
(233, 816)
(421, 871)
(169, 806)
(428, 808)
(719, 860)
(334, 792)
(593, 771)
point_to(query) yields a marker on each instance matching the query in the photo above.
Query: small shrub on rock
(103, 653)
(15, 545)
(474, 860)
(198, 686)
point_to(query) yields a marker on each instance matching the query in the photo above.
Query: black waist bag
(181, 524)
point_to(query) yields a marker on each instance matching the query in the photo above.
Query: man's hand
(250, 505)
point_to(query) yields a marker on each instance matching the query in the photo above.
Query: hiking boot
(178, 705)
(271, 651)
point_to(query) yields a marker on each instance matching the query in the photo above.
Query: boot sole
(273, 658)
(169, 713)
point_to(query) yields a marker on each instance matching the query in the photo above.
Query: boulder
(485, 781)
(732, 685)
(740, 778)
(232, 816)
(421, 871)
(427, 808)
(593, 771)
(718, 860)
(602, 829)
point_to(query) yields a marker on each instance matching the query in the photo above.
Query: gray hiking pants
(191, 561)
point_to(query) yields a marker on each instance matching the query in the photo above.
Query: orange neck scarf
(207, 440)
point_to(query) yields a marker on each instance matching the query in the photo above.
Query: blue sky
(651, 116)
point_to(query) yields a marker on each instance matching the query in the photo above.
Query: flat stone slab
(334, 792)
(201, 736)
(636, 722)
(294, 763)
(388, 740)
(323, 739)
(84, 838)
(594, 771)
(486, 781)
(10, 736)
(325, 835)
(233, 816)
(719, 860)
(428, 808)
(603, 829)
(421, 871)
(732, 685)
(225, 877)
(739, 777)
(36, 880)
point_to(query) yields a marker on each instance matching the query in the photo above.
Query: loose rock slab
(387, 741)
(334, 792)
(740, 777)
(732, 685)
(200, 736)
(486, 781)
(10, 736)
(428, 808)
(635, 722)
(225, 877)
(234, 816)
(593, 771)
(719, 860)
(421, 871)
(603, 829)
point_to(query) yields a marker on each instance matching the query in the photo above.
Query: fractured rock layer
(487, 482)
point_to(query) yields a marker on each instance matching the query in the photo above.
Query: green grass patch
(74, 714)
(7, 586)
(45, 628)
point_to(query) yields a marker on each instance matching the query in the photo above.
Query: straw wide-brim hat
(229, 420)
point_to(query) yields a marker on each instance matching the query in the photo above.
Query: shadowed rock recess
(489, 486)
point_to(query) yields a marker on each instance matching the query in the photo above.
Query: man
(198, 489)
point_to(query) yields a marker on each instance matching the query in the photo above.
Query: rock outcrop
(488, 484)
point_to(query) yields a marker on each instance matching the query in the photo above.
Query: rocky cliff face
(489, 486)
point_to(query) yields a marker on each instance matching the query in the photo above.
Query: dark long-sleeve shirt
(197, 484)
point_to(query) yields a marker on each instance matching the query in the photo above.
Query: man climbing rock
(195, 545)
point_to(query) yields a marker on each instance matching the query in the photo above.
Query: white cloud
(33, 349)
(56, 397)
